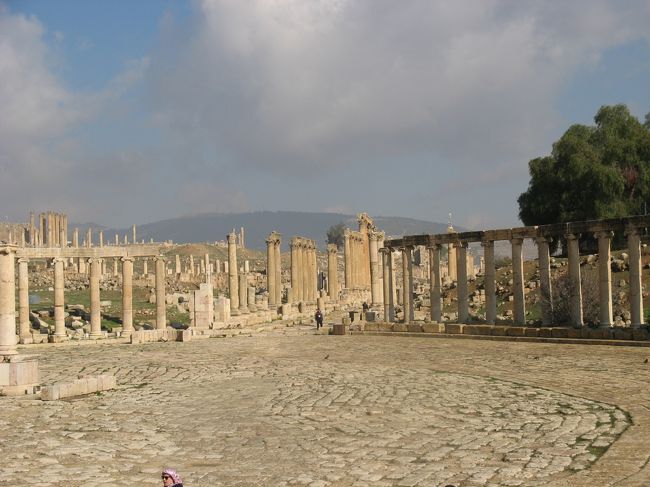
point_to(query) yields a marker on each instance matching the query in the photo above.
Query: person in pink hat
(171, 478)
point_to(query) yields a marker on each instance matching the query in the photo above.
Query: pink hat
(173, 474)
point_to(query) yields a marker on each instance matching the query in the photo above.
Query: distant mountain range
(210, 227)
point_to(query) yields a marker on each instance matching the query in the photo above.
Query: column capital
(385, 250)
(94, 260)
(461, 244)
(543, 239)
(517, 240)
(572, 236)
(604, 234)
(160, 257)
(373, 236)
(232, 237)
(56, 260)
(487, 243)
(632, 231)
(127, 259)
(8, 249)
(23, 260)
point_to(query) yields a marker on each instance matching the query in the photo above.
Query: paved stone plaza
(292, 408)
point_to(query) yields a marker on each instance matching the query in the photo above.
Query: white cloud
(293, 85)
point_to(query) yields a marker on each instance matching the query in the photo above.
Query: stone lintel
(88, 252)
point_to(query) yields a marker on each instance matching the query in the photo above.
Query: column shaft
(127, 296)
(270, 271)
(605, 278)
(518, 303)
(347, 259)
(546, 292)
(59, 298)
(435, 284)
(233, 279)
(575, 286)
(95, 308)
(161, 308)
(461, 274)
(243, 293)
(278, 271)
(636, 296)
(407, 285)
(490, 282)
(332, 272)
(7, 300)
(374, 270)
(23, 300)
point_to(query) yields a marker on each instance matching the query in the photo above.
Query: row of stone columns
(332, 272)
(52, 229)
(303, 270)
(355, 259)
(95, 265)
(274, 269)
(519, 309)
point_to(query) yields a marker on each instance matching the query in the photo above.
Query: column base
(57, 338)
(26, 340)
(234, 312)
(18, 376)
(243, 311)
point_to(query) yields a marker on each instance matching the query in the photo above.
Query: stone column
(546, 292)
(117, 240)
(278, 270)
(89, 238)
(313, 271)
(435, 283)
(95, 308)
(636, 297)
(305, 271)
(7, 300)
(134, 234)
(605, 277)
(347, 258)
(490, 282)
(59, 298)
(293, 248)
(192, 264)
(252, 307)
(407, 284)
(233, 280)
(461, 274)
(101, 238)
(75, 238)
(208, 269)
(270, 270)
(127, 296)
(161, 308)
(177, 265)
(145, 267)
(332, 272)
(518, 301)
(116, 266)
(575, 286)
(452, 259)
(387, 265)
(374, 270)
(62, 238)
(243, 294)
(24, 327)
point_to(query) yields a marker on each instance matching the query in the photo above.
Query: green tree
(600, 171)
(335, 234)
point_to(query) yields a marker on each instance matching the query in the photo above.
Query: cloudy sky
(127, 111)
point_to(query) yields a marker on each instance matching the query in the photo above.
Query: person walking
(319, 318)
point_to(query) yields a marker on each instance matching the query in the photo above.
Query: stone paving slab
(294, 408)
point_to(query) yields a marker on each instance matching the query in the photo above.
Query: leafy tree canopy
(335, 234)
(600, 171)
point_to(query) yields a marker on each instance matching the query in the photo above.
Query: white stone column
(95, 308)
(127, 296)
(233, 279)
(332, 272)
(636, 296)
(375, 292)
(435, 284)
(305, 271)
(243, 294)
(135, 240)
(24, 327)
(177, 265)
(295, 284)
(575, 286)
(7, 300)
(208, 269)
(161, 307)
(605, 278)
(252, 306)
(89, 237)
(313, 272)
(461, 273)
(407, 284)
(278, 270)
(546, 292)
(59, 300)
(518, 302)
(387, 265)
(191, 264)
(101, 238)
(270, 270)
(347, 258)
(490, 282)
(145, 267)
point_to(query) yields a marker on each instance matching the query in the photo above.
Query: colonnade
(303, 270)
(602, 230)
(274, 269)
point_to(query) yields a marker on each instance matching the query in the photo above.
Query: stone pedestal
(18, 376)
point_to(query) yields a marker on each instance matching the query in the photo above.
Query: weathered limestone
(101, 238)
(435, 283)
(306, 273)
(24, 327)
(145, 267)
(7, 301)
(127, 296)
(518, 303)
(89, 237)
(463, 293)
(575, 286)
(59, 305)
(243, 293)
(133, 232)
(95, 308)
(407, 284)
(208, 271)
(278, 270)
(177, 265)
(490, 282)
(387, 265)
(274, 270)
(545, 280)
(233, 280)
(347, 258)
(605, 277)
(191, 265)
(332, 272)
(636, 297)
(376, 298)
(252, 306)
(161, 308)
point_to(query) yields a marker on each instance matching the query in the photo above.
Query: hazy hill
(257, 225)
